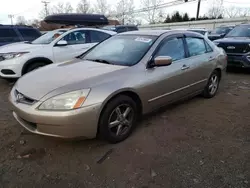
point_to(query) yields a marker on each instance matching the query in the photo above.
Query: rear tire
(34, 66)
(118, 119)
(212, 85)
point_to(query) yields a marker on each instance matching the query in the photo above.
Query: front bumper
(82, 122)
(239, 60)
(13, 67)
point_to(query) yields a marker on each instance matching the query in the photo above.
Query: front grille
(235, 47)
(21, 98)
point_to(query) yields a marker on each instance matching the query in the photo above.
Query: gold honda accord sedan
(105, 90)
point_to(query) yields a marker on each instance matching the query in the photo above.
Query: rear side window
(174, 48)
(97, 36)
(8, 35)
(196, 46)
(29, 34)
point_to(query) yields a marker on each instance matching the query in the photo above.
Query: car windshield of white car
(48, 37)
(125, 50)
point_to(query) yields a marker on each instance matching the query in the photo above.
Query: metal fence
(208, 24)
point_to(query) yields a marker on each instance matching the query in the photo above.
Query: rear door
(78, 42)
(199, 63)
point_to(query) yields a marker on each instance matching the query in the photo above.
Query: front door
(169, 83)
(78, 42)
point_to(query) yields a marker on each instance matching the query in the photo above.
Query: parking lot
(196, 143)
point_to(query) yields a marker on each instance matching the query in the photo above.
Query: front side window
(209, 49)
(8, 35)
(97, 36)
(173, 48)
(76, 37)
(29, 34)
(126, 50)
(196, 46)
(240, 31)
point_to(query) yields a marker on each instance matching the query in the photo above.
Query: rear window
(29, 34)
(132, 28)
(8, 35)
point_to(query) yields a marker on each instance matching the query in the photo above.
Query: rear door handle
(185, 67)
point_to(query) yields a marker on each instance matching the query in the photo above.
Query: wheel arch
(128, 92)
(33, 60)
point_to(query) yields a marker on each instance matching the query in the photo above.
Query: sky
(30, 8)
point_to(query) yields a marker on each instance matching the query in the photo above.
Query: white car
(56, 46)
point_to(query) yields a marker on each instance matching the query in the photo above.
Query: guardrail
(208, 24)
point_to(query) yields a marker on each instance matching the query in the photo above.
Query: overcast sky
(30, 8)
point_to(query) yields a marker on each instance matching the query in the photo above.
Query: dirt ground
(203, 143)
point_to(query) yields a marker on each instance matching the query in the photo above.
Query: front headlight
(66, 101)
(12, 55)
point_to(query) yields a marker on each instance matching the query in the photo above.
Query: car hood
(20, 47)
(234, 40)
(41, 82)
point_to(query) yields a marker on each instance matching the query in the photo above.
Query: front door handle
(185, 67)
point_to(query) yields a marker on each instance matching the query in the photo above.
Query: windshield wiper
(100, 61)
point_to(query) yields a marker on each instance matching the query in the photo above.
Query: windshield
(48, 37)
(240, 31)
(221, 30)
(125, 50)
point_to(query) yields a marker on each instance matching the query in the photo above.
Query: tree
(185, 17)
(84, 7)
(243, 12)
(216, 10)
(21, 20)
(232, 11)
(168, 19)
(152, 12)
(102, 7)
(124, 11)
(62, 8)
(176, 17)
(34, 23)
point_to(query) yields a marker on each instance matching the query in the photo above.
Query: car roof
(101, 30)
(16, 26)
(145, 32)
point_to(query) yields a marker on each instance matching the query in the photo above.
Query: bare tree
(216, 10)
(34, 23)
(62, 8)
(232, 11)
(152, 11)
(124, 11)
(102, 7)
(20, 20)
(84, 7)
(244, 12)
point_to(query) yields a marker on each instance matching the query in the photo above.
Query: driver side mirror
(62, 43)
(162, 61)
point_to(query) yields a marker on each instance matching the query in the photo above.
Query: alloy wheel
(214, 82)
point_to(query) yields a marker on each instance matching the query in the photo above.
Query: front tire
(118, 119)
(212, 85)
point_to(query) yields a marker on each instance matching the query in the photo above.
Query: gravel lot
(197, 143)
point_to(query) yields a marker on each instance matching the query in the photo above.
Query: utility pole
(198, 9)
(46, 7)
(11, 16)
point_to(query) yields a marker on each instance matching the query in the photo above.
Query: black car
(220, 32)
(15, 33)
(237, 46)
(121, 28)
